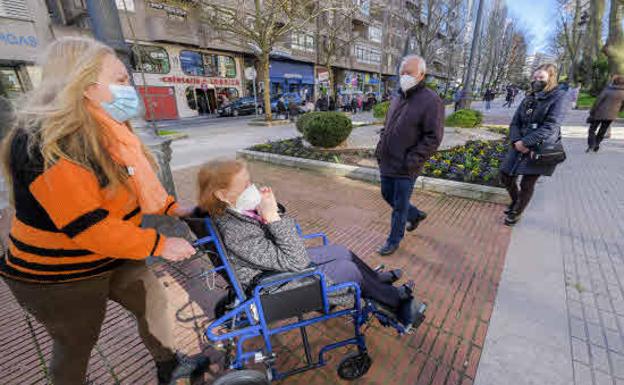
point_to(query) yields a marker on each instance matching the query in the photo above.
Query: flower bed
(475, 162)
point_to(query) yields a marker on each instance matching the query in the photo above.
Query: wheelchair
(271, 307)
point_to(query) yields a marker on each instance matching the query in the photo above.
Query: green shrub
(326, 129)
(301, 121)
(464, 118)
(585, 100)
(381, 109)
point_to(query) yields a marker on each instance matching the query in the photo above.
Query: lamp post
(466, 97)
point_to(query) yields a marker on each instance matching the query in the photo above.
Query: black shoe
(412, 225)
(390, 276)
(388, 249)
(596, 148)
(406, 290)
(181, 370)
(411, 313)
(512, 218)
(589, 148)
(509, 208)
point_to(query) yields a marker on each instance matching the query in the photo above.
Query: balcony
(163, 29)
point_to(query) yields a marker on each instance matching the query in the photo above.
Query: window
(367, 55)
(363, 5)
(211, 65)
(192, 63)
(374, 34)
(15, 8)
(123, 5)
(154, 60)
(302, 41)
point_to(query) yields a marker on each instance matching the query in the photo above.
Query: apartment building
(184, 68)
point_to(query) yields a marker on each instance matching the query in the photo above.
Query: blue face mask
(125, 105)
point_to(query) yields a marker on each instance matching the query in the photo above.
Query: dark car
(241, 106)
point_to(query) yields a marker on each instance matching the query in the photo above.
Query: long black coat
(537, 119)
(608, 104)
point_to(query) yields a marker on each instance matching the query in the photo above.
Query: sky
(538, 17)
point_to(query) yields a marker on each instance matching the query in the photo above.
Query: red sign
(200, 81)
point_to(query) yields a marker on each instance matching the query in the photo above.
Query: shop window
(190, 98)
(150, 59)
(10, 84)
(229, 66)
(192, 63)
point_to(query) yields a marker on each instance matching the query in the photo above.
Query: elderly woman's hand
(177, 249)
(268, 205)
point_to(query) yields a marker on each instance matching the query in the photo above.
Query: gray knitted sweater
(254, 247)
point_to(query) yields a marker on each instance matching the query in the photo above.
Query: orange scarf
(125, 148)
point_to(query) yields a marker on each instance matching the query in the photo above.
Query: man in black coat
(412, 132)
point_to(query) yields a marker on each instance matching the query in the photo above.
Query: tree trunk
(614, 49)
(266, 96)
(330, 82)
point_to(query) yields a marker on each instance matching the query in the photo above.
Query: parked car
(288, 96)
(241, 106)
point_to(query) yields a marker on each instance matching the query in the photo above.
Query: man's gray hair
(422, 65)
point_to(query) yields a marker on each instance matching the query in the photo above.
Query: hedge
(464, 118)
(381, 109)
(326, 129)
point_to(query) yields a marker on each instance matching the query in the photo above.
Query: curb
(174, 137)
(281, 122)
(369, 174)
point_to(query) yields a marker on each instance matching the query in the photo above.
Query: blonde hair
(551, 69)
(54, 114)
(214, 176)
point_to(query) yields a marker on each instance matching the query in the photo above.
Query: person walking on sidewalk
(81, 181)
(488, 97)
(537, 121)
(604, 111)
(412, 132)
(509, 97)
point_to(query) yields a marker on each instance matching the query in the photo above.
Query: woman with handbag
(535, 136)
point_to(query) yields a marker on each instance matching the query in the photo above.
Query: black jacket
(608, 104)
(537, 119)
(412, 132)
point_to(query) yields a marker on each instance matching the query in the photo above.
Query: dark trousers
(73, 313)
(594, 139)
(341, 265)
(488, 104)
(520, 196)
(397, 192)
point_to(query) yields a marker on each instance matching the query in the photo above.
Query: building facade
(182, 68)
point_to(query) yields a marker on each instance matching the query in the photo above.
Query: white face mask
(407, 82)
(249, 199)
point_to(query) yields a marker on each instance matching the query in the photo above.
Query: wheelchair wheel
(354, 365)
(243, 377)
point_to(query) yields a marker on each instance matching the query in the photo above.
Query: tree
(259, 25)
(334, 34)
(572, 28)
(614, 48)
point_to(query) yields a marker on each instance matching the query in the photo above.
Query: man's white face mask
(407, 82)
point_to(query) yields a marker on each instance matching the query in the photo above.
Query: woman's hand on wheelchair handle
(177, 249)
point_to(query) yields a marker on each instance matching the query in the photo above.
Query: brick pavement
(569, 283)
(456, 258)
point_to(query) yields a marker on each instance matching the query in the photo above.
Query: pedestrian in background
(536, 124)
(412, 132)
(81, 181)
(605, 110)
(354, 105)
(509, 97)
(457, 97)
(7, 116)
(488, 97)
(281, 108)
(293, 109)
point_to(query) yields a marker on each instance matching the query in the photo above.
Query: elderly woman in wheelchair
(265, 249)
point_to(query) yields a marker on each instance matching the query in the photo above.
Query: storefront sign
(9, 38)
(293, 76)
(323, 75)
(200, 81)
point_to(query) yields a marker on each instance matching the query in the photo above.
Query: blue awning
(293, 72)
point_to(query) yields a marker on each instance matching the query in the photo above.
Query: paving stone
(578, 328)
(614, 341)
(599, 358)
(580, 351)
(617, 360)
(450, 244)
(575, 308)
(582, 374)
(609, 320)
(603, 378)
(596, 335)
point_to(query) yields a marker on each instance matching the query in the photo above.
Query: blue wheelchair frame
(255, 325)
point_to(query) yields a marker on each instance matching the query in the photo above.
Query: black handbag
(548, 154)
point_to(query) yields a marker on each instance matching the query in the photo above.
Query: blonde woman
(81, 181)
(537, 121)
